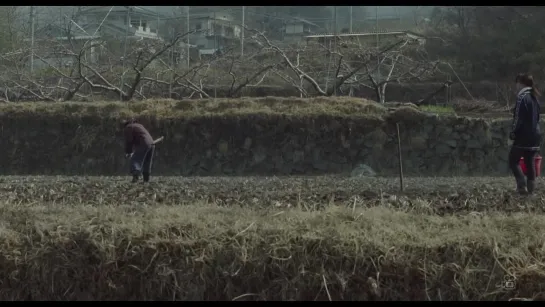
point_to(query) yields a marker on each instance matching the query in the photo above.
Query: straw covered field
(269, 238)
(230, 235)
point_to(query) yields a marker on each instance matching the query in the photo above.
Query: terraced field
(269, 238)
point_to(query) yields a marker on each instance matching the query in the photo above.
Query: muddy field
(439, 195)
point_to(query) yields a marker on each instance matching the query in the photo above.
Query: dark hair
(528, 80)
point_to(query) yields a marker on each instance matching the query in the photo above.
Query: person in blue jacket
(525, 133)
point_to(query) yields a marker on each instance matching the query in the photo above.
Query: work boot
(135, 178)
(146, 177)
(521, 186)
(531, 185)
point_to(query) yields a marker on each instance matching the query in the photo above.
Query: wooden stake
(399, 157)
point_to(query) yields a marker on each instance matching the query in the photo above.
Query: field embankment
(250, 136)
(208, 246)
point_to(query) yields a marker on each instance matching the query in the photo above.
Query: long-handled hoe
(156, 141)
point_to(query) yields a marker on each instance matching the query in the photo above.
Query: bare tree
(399, 66)
(71, 68)
(402, 60)
(83, 67)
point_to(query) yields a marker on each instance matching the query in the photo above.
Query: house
(94, 24)
(216, 31)
(141, 22)
(297, 28)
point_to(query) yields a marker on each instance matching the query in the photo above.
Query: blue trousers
(142, 159)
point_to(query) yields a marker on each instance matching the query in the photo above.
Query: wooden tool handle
(158, 140)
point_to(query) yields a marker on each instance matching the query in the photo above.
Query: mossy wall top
(249, 136)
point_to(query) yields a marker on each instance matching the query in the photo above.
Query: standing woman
(525, 133)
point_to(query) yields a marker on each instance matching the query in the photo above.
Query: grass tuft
(205, 252)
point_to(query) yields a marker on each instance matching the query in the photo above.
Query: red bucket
(538, 165)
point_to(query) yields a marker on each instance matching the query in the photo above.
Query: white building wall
(294, 29)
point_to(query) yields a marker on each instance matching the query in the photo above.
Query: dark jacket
(136, 135)
(525, 131)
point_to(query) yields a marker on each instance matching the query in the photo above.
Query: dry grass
(291, 106)
(205, 252)
(204, 107)
(408, 114)
(477, 106)
(438, 109)
(117, 242)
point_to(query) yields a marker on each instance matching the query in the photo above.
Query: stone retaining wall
(35, 142)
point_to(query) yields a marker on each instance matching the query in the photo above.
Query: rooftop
(301, 20)
(217, 15)
(84, 31)
(122, 9)
(365, 34)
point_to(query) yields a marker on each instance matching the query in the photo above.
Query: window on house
(135, 23)
(144, 25)
(198, 26)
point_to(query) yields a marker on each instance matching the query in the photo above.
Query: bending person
(139, 146)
